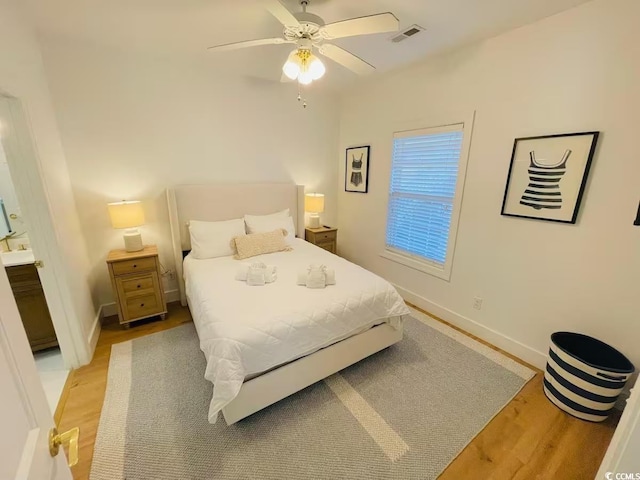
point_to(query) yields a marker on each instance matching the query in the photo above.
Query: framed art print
(547, 176)
(357, 170)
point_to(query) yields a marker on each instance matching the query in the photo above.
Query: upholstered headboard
(218, 202)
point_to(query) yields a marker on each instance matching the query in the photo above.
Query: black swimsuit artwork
(356, 174)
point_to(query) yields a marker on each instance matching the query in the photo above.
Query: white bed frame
(229, 201)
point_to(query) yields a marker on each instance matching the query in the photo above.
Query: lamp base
(314, 220)
(133, 241)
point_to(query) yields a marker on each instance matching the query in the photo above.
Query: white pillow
(269, 223)
(213, 239)
(281, 214)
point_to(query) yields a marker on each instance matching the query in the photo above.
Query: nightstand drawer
(133, 266)
(324, 237)
(143, 306)
(135, 285)
(329, 247)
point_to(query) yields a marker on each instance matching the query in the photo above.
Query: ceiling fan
(309, 32)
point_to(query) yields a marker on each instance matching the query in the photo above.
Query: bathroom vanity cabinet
(32, 306)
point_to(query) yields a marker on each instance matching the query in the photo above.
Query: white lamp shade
(126, 214)
(316, 67)
(305, 78)
(292, 66)
(314, 202)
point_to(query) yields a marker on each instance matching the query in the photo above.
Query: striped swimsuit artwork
(543, 190)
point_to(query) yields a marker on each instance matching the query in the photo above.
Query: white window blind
(422, 192)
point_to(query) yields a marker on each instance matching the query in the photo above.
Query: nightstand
(323, 237)
(137, 284)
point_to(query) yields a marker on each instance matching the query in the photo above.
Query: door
(621, 460)
(24, 413)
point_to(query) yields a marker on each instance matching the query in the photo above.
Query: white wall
(572, 72)
(133, 125)
(22, 76)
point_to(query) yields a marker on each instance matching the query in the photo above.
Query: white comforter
(246, 330)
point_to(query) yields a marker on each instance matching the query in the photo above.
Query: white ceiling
(184, 28)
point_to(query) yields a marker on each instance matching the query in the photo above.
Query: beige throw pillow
(260, 243)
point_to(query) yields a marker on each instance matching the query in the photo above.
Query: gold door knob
(69, 438)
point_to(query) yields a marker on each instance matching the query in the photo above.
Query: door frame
(624, 443)
(24, 166)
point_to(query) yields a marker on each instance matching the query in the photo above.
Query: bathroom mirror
(5, 226)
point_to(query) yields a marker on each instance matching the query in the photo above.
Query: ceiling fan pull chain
(300, 99)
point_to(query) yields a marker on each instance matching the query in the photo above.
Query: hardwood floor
(86, 386)
(529, 439)
(532, 439)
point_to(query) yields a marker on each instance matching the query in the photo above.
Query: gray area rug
(403, 413)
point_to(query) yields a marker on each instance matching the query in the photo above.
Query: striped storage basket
(584, 376)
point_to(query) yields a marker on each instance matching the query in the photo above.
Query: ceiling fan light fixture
(305, 78)
(304, 66)
(292, 66)
(316, 68)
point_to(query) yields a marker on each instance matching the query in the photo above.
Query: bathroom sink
(17, 257)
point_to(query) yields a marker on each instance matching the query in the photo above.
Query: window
(424, 197)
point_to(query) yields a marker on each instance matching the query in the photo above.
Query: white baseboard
(523, 352)
(94, 334)
(110, 309)
(497, 339)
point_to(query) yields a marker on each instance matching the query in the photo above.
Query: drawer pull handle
(138, 286)
(135, 265)
(612, 377)
(142, 304)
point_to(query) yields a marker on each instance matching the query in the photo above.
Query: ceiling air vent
(409, 32)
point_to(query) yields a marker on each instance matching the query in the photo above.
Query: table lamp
(128, 215)
(314, 204)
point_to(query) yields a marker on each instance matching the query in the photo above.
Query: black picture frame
(356, 179)
(539, 209)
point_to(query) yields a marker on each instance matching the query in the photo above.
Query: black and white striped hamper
(584, 376)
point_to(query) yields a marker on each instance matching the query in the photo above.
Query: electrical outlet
(477, 303)
(169, 274)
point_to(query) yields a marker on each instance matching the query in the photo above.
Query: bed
(265, 343)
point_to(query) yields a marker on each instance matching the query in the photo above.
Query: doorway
(19, 263)
(29, 252)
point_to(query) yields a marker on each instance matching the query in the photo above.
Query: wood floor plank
(88, 384)
(529, 439)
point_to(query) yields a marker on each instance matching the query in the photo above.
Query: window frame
(417, 262)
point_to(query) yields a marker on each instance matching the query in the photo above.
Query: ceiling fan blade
(380, 23)
(346, 59)
(282, 13)
(249, 43)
